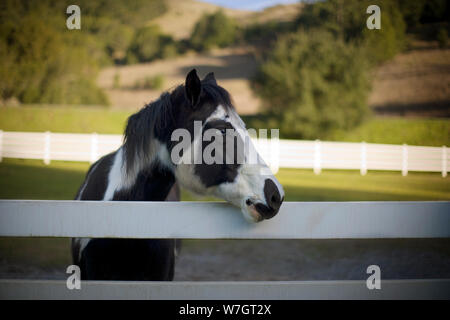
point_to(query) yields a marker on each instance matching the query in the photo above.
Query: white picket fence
(296, 220)
(316, 155)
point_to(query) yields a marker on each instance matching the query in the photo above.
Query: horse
(143, 169)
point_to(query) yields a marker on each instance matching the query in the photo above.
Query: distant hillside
(181, 16)
(414, 83)
(233, 67)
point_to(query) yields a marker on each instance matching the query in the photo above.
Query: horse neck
(152, 158)
(144, 155)
(150, 184)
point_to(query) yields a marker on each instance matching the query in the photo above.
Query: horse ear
(210, 78)
(193, 87)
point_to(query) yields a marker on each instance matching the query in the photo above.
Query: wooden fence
(316, 155)
(209, 220)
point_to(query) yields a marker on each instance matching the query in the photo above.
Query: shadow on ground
(232, 66)
(226, 260)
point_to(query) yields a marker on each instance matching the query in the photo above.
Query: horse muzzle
(260, 211)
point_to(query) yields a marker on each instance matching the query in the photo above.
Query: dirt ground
(232, 68)
(414, 83)
(226, 260)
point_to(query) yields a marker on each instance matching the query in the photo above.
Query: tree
(213, 30)
(347, 20)
(40, 64)
(312, 84)
(150, 44)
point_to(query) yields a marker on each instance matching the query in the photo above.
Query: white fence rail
(306, 220)
(219, 220)
(227, 290)
(316, 155)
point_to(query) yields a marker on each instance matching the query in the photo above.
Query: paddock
(195, 220)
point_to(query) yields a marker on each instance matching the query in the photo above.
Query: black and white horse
(142, 169)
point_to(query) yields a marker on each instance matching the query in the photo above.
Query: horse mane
(140, 131)
(155, 117)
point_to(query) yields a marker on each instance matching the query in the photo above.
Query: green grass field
(412, 131)
(31, 179)
(63, 119)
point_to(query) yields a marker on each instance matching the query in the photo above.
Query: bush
(134, 13)
(384, 44)
(43, 62)
(40, 64)
(419, 12)
(213, 30)
(116, 81)
(312, 84)
(149, 44)
(264, 34)
(169, 47)
(442, 38)
(155, 83)
(347, 21)
(114, 37)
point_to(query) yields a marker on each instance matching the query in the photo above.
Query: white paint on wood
(363, 159)
(94, 147)
(216, 220)
(316, 155)
(444, 161)
(404, 160)
(47, 147)
(225, 290)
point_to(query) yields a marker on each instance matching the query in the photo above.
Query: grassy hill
(233, 67)
(414, 83)
(181, 16)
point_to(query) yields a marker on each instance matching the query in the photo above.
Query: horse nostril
(273, 197)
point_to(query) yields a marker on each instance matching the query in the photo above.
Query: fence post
(363, 158)
(317, 156)
(274, 150)
(444, 161)
(404, 159)
(47, 148)
(94, 147)
(1, 145)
